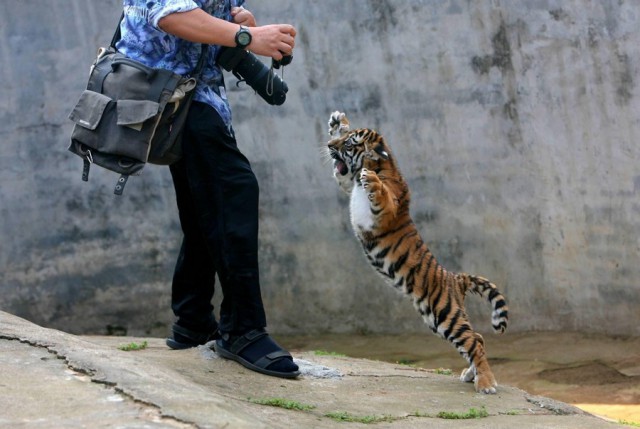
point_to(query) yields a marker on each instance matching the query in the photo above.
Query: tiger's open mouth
(340, 166)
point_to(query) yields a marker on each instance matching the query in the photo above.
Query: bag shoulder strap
(117, 35)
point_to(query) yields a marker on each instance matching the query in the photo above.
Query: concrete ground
(598, 373)
(52, 379)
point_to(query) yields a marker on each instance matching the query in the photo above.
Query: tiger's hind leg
(458, 331)
(471, 346)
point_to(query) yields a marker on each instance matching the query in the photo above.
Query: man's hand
(243, 17)
(273, 41)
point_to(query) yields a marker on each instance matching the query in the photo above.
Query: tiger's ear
(379, 149)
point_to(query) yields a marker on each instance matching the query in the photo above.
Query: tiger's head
(352, 150)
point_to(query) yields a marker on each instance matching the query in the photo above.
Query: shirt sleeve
(162, 8)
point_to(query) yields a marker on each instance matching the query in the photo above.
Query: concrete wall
(515, 124)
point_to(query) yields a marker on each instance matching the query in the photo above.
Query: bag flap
(136, 111)
(89, 109)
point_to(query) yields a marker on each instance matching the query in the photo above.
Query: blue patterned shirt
(144, 41)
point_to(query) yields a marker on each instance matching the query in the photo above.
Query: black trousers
(217, 197)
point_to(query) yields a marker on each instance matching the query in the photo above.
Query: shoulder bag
(130, 114)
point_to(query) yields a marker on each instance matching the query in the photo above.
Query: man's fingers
(290, 29)
(289, 39)
(273, 40)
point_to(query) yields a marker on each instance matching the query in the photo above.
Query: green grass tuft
(343, 416)
(471, 414)
(628, 423)
(133, 346)
(282, 403)
(443, 371)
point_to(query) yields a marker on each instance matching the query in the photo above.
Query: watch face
(244, 38)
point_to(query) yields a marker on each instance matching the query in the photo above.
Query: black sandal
(232, 351)
(184, 338)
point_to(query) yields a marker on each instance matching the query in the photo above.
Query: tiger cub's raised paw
(338, 124)
(371, 183)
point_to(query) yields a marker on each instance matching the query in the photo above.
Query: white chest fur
(361, 216)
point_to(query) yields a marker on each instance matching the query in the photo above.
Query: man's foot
(257, 351)
(184, 338)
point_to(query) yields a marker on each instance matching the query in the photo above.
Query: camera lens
(266, 83)
(247, 67)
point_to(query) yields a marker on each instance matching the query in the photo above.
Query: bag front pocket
(126, 129)
(133, 113)
(89, 109)
(90, 114)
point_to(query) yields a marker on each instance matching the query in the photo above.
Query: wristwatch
(243, 37)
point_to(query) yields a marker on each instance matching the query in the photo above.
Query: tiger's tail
(500, 313)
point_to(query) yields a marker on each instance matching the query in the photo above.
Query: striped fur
(365, 168)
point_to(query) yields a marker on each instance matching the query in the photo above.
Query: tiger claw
(363, 178)
(489, 391)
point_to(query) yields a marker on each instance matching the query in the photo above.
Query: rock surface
(52, 379)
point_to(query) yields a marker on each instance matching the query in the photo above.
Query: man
(216, 190)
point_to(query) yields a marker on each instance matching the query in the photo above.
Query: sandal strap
(246, 340)
(267, 360)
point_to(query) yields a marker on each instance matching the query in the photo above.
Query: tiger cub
(365, 168)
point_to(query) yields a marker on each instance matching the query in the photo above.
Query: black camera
(248, 68)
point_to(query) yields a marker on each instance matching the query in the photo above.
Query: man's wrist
(243, 37)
